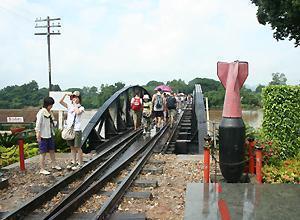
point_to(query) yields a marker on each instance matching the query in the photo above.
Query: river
(251, 117)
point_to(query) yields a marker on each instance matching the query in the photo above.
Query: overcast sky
(135, 41)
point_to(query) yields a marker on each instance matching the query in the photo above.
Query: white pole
(207, 113)
(60, 119)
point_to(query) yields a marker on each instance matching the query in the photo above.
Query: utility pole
(48, 33)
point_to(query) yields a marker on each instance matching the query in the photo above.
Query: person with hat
(147, 112)
(75, 110)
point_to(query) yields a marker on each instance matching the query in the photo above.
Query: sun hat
(146, 96)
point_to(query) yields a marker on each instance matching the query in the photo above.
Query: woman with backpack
(136, 107)
(172, 106)
(158, 108)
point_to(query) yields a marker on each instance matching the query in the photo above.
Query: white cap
(76, 93)
(146, 96)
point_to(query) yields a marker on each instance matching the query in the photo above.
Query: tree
(178, 86)
(55, 88)
(215, 98)
(22, 96)
(278, 79)
(90, 97)
(283, 16)
(154, 83)
(119, 85)
(259, 88)
(150, 86)
(250, 98)
(206, 84)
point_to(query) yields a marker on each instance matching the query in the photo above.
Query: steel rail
(66, 211)
(165, 148)
(49, 193)
(93, 176)
(117, 195)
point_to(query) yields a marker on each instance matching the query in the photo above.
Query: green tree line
(30, 95)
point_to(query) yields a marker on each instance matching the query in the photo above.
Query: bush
(11, 155)
(287, 171)
(8, 140)
(60, 144)
(281, 122)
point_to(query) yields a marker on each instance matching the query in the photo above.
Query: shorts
(158, 114)
(146, 121)
(76, 142)
(136, 115)
(172, 112)
(46, 144)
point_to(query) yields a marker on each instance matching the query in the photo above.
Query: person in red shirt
(136, 107)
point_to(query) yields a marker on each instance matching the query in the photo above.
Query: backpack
(158, 103)
(136, 105)
(171, 102)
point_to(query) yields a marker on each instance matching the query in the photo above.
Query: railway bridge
(123, 154)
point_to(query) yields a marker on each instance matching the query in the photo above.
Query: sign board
(57, 96)
(15, 119)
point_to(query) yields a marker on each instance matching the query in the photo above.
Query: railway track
(113, 147)
(129, 151)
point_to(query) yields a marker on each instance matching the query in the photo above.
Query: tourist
(44, 135)
(147, 112)
(171, 106)
(158, 108)
(75, 110)
(136, 107)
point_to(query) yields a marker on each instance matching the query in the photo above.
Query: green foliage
(283, 16)
(259, 88)
(92, 97)
(89, 95)
(206, 84)
(249, 98)
(281, 122)
(150, 86)
(179, 86)
(60, 144)
(55, 87)
(252, 132)
(11, 155)
(22, 96)
(154, 83)
(287, 171)
(8, 140)
(215, 98)
(106, 91)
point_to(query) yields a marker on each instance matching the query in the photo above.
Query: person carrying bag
(69, 133)
(72, 133)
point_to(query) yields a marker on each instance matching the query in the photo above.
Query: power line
(48, 26)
